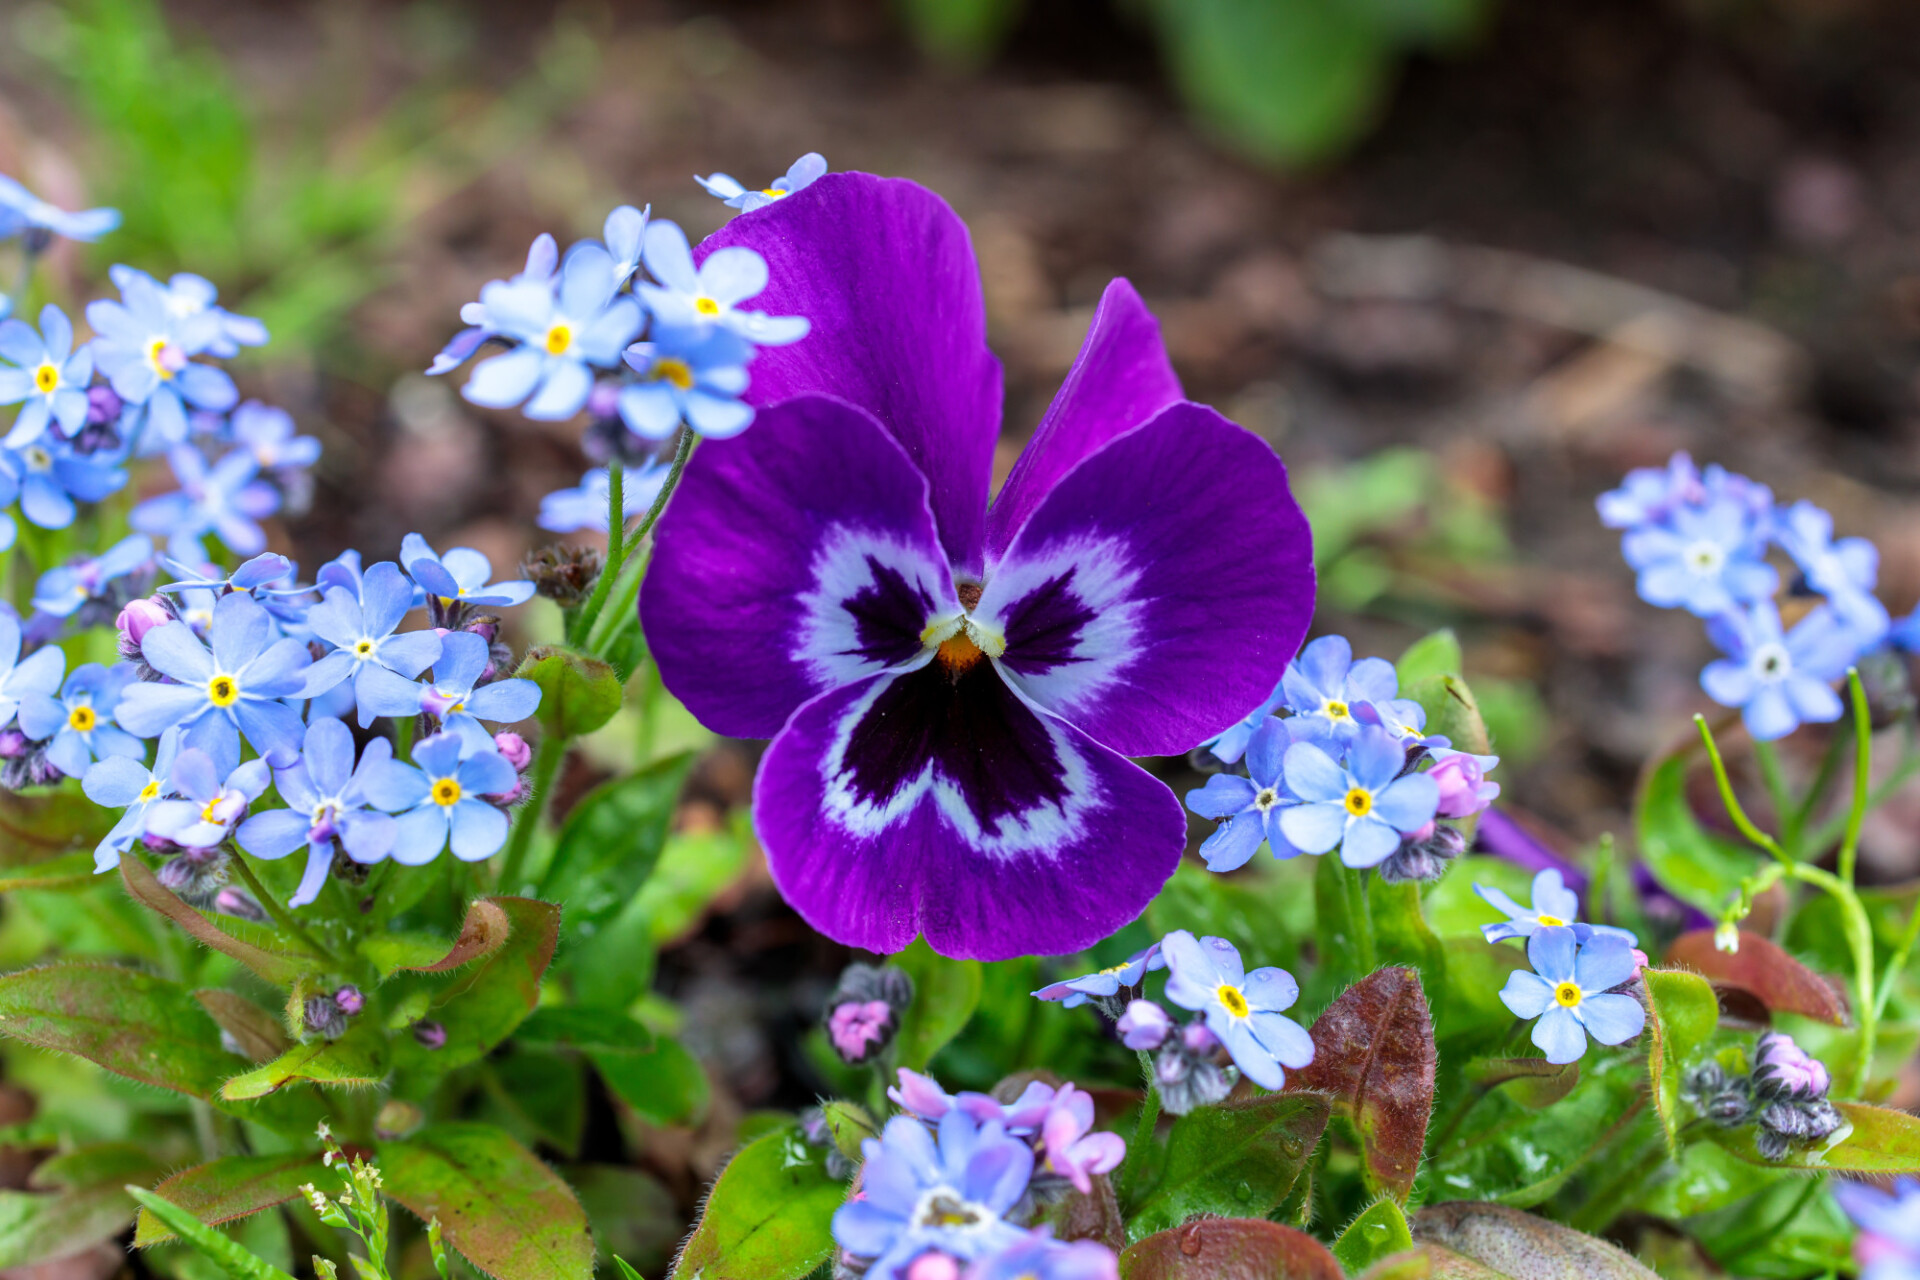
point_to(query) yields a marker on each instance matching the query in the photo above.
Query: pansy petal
(1120, 379)
(885, 267)
(921, 803)
(1159, 589)
(789, 563)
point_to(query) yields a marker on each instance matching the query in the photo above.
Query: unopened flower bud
(350, 1000)
(13, 744)
(103, 405)
(860, 1028)
(515, 750)
(1423, 857)
(196, 875)
(1726, 937)
(431, 1035)
(232, 902)
(933, 1266)
(323, 1017)
(141, 616)
(564, 574)
(1145, 1025)
(1464, 790)
(603, 402)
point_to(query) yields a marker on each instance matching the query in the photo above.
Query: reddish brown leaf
(1230, 1249)
(1373, 1052)
(1762, 970)
(1429, 1262)
(485, 930)
(1091, 1217)
(1513, 1243)
(229, 1189)
(278, 967)
(257, 1032)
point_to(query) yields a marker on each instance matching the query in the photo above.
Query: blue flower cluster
(1576, 986)
(630, 329)
(1349, 766)
(945, 1188)
(1700, 540)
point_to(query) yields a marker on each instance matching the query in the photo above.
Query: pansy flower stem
(546, 764)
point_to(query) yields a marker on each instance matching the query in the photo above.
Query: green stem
(1786, 813)
(546, 763)
(620, 549)
(581, 622)
(1862, 776)
(1143, 1130)
(1354, 888)
(271, 905)
(1734, 810)
(1859, 933)
(1898, 963)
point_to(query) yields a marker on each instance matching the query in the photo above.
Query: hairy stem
(271, 905)
(546, 763)
(1143, 1130)
(1862, 776)
(1734, 810)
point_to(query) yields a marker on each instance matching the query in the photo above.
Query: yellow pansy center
(706, 306)
(1554, 921)
(46, 378)
(1359, 802)
(559, 339)
(1567, 994)
(1232, 1000)
(82, 719)
(223, 691)
(675, 370)
(446, 792)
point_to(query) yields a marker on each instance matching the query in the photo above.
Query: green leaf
(540, 1100)
(945, 993)
(281, 968)
(228, 1189)
(1374, 1056)
(587, 1029)
(578, 694)
(632, 1213)
(850, 1125)
(260, 1035)
(79, 1200)
(626, 1272)
(1430, 657)
(68, 871)
(1400, 932)
(1682, 1012)
(959, 32)
(498, 1204)
(356, 1060)
(1379, 1231)
(1452, 710)
(132, 1023)
(665, 1086)
(1454, 910)
(233, 1258)
(768, 1217)
(483, 1000)
(1229, 1249)
(1692, 863)
(1233, 1159)
(1875, 1140)
(1506, 1240)
(1535, 1082)
(1252, 910)
(612, 840)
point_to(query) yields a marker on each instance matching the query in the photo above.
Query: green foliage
(132, 1023)
(74, 1202)
(1380, 1231)
(611, 841)
(1235, 1159)
(945, 995)
(232, 1258)
(1229, 1249)
(1682, 1012)
(769, 1216)
(497, 1204)
(1692, 863)
(578, 694)
(959, 32)
(1374, 1055)
(228, 1189)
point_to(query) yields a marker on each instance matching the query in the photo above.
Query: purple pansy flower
(461, 574)
(802, 173)
(62, 589)
(571, 510)
(1231, 745)
(364, 633)
(440, 795)
(78, 722)
(454, 696)
(1324, 685)
(1845, 571)
(1706, 559)
(1243, 1010)
(919, 1193)
(124, 782)
(562, 333)
(50, 476)
(1888, 1245)
(1568, 992)
(953, 691)
(209, 803)
(1555, 906)
(234, 689)
(1365, 806)
(1778, 680)
(1248, 809)
(327, 802)
(707, 297)
(51, 376)
(21, 210)
(224, 499)
(690, 377)
(1107, 983)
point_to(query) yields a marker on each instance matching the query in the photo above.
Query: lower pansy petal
(1159, 589)
(791, 563)
(940, 803)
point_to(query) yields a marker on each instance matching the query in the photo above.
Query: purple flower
(21, 210)
(1248, 809)
(1844, 572)
(327, 803)
(858, 1028)
(209, 805)
(1242, 1010)
(1107, 983)
(800, 174)
(1554, 907)
(1706, 559)
(1464, 790)
(1144, 1025)
(144, 350)
(953, 691)
(189, 296)
(441, 795)
(562, 335)
(571, 510)
(1324, 685)
(234, 689)
(48, 476)
(124, 782)
(79, 720)
(1073, 1150)
(919, 1194)
(454, 696)
(691, 377)
(365, 636)
(51, 378)
(1782, 1067)
(460, 575)
(1568, 992)
(37, 676)
(1650, 494)
(224, 499)
(1231, 745)
(1364, 807)
(704, 298)
(1038, 1256)
(1888, 1246)
(1778, 680)
(543, 257)
(62, 590)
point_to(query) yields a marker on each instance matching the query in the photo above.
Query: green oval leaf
(1234, 1159)
(1682, 1012)
(945, 993)
(132, 1023)
(498, 1204)
(281, 968)
(1875, 1140)
(1694, 864)
(228, 1189)
(665, 1086)
(612, 840)
(481, 1005)
(356, 1059)
(231, 1256)
(1380, 1231)
(769, 1215)
(1536, 1082)
(578, 694)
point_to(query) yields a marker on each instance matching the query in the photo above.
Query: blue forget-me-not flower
(801, 174)
(50, 376)
(1243, 1010)
(327, 804)
(1569, 992)
(1364, 807)
(1778, 680)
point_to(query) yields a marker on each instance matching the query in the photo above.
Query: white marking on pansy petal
(1103, 579)
(1044, 829)
(827, 642)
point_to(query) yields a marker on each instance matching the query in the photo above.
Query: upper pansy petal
(790, 563)
(1160, 588)
(885, 269)
(924, 803)
(1120, 379)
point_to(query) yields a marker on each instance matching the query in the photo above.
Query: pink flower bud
(515, 749)
(350, 1000)
(933, 1266)
(140, 617)
(1145, 1025)
(1464, 790)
